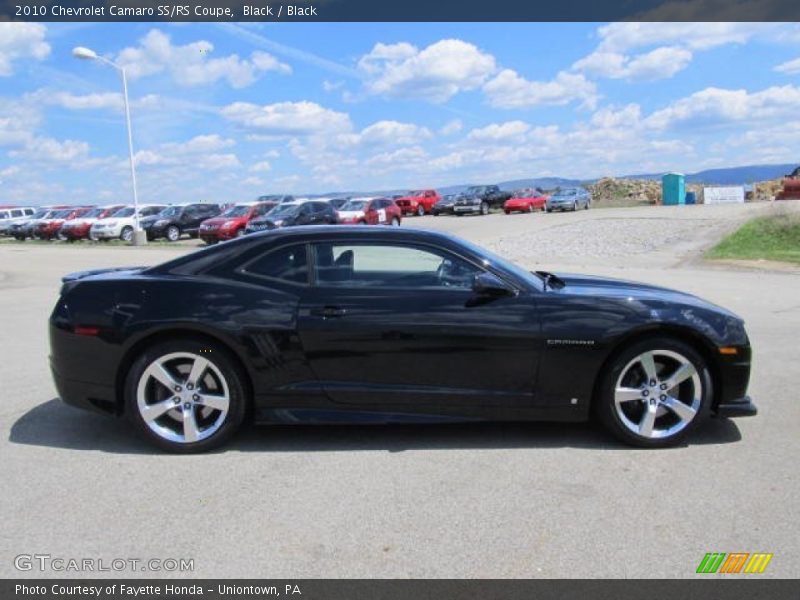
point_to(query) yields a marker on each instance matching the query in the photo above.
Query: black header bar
(402, 10)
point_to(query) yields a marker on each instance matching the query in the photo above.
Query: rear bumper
(743, 407)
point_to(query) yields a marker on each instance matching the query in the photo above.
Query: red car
(370, 211)
(47, 229)
(78, 229)
(419, 202)
(525, 201)
(231, 223)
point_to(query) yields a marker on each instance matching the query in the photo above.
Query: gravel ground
(603, 238)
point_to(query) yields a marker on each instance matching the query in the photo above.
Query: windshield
(61, 214)
(494, 259)
(124, 212)
(416, 193)
(569, 192)
(283, 210)
(40, 214)
(172, 211)
(95, 212)
(354, 205)
(476, 189)
(523, 194)
(236, 211)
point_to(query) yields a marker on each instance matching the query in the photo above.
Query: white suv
(9, 216)
(121, 223)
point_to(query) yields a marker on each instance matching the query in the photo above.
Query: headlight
(278, 223)
(227, 225)
(111, 224)
(161, 222)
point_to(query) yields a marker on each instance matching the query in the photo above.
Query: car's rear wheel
(655, 392)
(186, 395)
(126, 235)
(420, 210)
(240, 232)
(173, 233)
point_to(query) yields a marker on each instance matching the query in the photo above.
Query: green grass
(766, 238)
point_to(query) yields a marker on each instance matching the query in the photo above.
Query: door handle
(328, 312)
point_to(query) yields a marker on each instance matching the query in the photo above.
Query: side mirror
(488, 284)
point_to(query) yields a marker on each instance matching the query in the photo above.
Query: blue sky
(226, 112)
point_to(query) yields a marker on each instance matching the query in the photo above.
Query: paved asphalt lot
(482, 500)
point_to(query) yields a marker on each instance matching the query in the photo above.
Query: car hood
(595, 286)
(558, 198)
(150, 219)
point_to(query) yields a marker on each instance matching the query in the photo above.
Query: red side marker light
(86, 330)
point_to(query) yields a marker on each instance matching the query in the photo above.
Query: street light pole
(139, 236)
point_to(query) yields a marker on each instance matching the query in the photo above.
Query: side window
(16, 213)
(287, 264)
(390, 266)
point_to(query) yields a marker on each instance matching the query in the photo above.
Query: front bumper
(743, 407)
(106, 234)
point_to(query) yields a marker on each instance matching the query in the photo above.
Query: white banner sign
(722, 195)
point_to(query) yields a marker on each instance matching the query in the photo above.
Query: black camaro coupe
(351, 324)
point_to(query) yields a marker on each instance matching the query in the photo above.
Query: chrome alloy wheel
(658, 394)
(183, 397)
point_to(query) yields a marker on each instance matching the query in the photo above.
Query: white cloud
(510, 90)
(620, 54)
(501, 131)
(192, 64)
(106, 100)
(46, 149)
(791, 67)
(451, 127)
(201, 152)
(435, 73)
(713, 106)
(660, 63)
(392, 133)
(20, 41)
(288, 118)
(261, 167)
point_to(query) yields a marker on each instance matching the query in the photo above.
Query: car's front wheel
(173, 233)
(420, 210)
(127, 234)
(484, 208)
(185, 395)
(655, 392)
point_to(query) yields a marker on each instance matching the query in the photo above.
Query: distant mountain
(731, 175)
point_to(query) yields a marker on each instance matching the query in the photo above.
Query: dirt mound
(625, 192)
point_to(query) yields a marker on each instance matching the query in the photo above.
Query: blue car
(569, 199)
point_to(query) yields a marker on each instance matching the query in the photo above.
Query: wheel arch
(171, 333)
(701, 344)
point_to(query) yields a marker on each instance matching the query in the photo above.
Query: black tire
(604, 405)
(575, 206)
(126, 235)
(221, 358)
(239, 232)
(210, 242)
(395, 222)
(484, 208)
(420, 210)
(173, 233)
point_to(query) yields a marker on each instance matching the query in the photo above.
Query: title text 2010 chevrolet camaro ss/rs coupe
(343, 324)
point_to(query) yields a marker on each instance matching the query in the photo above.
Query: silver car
(569, 199)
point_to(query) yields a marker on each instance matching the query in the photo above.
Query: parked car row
(214, 223)
(210, 222)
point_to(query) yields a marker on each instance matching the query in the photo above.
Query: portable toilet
(673, 189)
